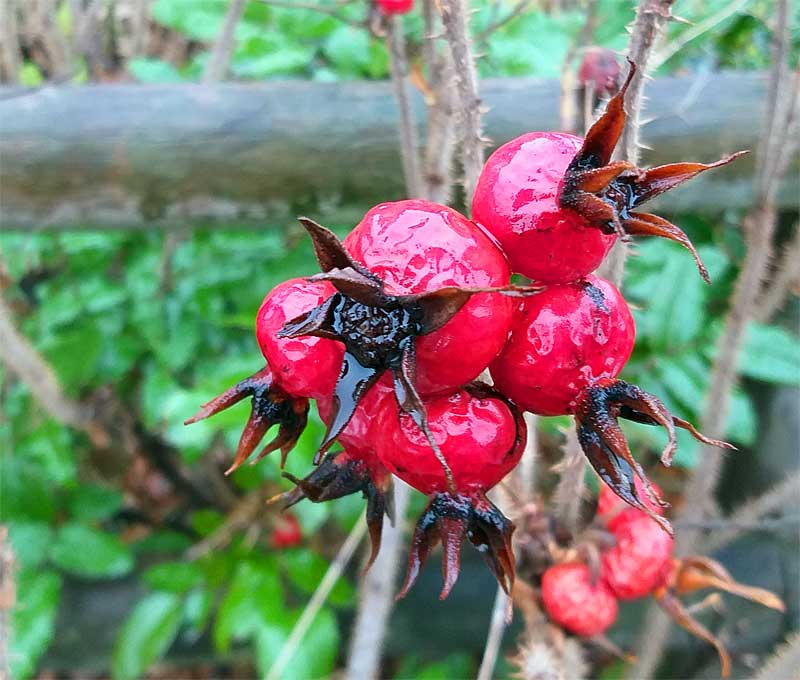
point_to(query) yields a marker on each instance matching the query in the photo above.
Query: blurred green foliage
(168, 331)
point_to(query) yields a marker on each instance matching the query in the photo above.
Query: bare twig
(409, 142)
(759, 225)
(441, 142)
(8, 598)
(568, 107)
(698, 29)
(455, 20)
(570, 490)
(10, 55)
(787, 275)
(317, 600)
(494, 639)
(322, 9)
(376, 598)
(651, 19)
(220, 59)
(753, 511)
(516, 11)
(243, 514)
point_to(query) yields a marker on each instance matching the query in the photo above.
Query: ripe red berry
(417, 246)
(516, 199)
(557, 203)
(395, 6)
(600, 72)
(286, 532)
(635, 565)
(563, 340)
(577, 603)
(306, 366)
(482, 437)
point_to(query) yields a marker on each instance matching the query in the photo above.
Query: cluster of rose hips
(416, 303)
(637, 561)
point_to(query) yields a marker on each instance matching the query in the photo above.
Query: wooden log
(139, 156)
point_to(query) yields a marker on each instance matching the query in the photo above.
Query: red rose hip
(577, 603)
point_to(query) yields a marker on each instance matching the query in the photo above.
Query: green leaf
(147, 634)
(150, 70)
(347, 48)
(306, 569)
(197, 609)
(26, 492)
(91, 502)
(173, 577)
(90, 553)
(29, 75)
(30, 541)
(771, 354)
(314, 657)
(33, 620)
(253, 598)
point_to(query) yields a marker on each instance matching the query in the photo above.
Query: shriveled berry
(563, 340)
(635, 565)
(577, 603)
(416, 246)
(306, 366)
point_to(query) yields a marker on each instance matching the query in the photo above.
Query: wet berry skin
(516, 199)
(575, 603)
(307, 366)
(478, 434)
(416, 246)
(563, 340)
(635, 565)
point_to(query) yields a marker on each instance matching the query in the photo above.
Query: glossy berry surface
(307, 366)
(416, 246)
(395, 6)
(576, 603)
(516, 199)
(563, 340)
(635, 565)
(478, 434)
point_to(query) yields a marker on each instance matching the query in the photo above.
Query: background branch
(787, 276)
(220, 59)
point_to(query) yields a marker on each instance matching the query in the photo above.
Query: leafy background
(99, 308)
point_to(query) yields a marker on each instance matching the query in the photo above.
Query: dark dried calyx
(338, 475)
(270, 406)
(450, 518)
(606, 193)
(378, 331)
(605, 445)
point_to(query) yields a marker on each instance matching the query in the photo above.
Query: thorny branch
(455, 20)
(409, 141)
(787, 276)
(776, 146)
(651, 19)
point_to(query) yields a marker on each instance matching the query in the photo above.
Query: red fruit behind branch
(286, 532)
(389, 7)
(417, 246)
(577, 603)
(635, 565)
(600, 72)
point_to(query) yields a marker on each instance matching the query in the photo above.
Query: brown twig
(10, 55)
(516, 11)
(787, 276)
(651, 19)
(568, 107)
(759, 225)
(409, 141)
(220, 59)
(376, 597)
(455, 21)
(569, 492)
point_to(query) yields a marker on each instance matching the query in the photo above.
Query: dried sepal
(271, 405)
(606, 193)
(606, 447)
(449, 519)
(341, 474)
